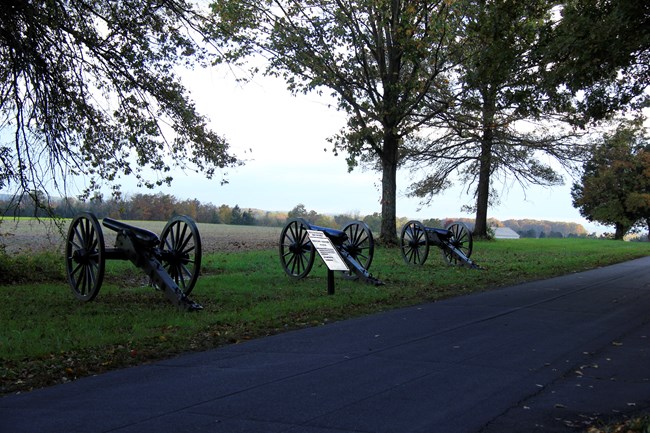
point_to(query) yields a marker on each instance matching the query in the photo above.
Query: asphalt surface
(547, 356)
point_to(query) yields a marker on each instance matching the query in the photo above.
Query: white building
(504, 233)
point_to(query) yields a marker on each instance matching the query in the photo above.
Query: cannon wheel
(360, 243)
(461, 238)
(414, 243)
(296, 251)
(180, 243)
(85, 256)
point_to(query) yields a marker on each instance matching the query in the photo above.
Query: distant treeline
(161, 207)
(528, 228)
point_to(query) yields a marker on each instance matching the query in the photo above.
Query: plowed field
(28, 235)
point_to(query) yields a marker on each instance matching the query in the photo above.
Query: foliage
(381, 60)
(242, 218)
(615, 186)
(49, 337)
(313, 217)
(150, 207)
(638, 424)
(601, 51)
(501, 121)
(26, 268)
(90, 90)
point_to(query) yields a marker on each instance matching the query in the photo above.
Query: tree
(615, 185)
(300, 211)
(90, 90)
(530, 233)
(247, 218)
(225, 214)
(236, 216)
(373, 221)
(501, 121)
(432, 222)
(600, 50)
(382, 60)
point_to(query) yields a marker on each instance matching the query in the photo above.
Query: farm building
(504, 233)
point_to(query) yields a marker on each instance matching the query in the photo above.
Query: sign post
(330, 256)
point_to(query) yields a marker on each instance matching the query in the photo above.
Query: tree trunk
(483, 192)
(621, 229)
(388, 235)
(485, 166)
(647, 222)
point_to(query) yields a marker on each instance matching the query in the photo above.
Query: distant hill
(531, 228)
(534, 228)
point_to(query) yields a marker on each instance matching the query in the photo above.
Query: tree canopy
(383, 61)
(600, 52)
(91, 90)
(502, 121)
(615, 185)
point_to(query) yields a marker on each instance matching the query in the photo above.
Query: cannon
(354, 244)
(455, 241)
(172, 261)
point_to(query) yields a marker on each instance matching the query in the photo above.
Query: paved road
(547, 356)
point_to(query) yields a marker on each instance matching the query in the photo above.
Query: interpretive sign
(327, 251)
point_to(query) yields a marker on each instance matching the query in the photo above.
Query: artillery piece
(172, 261)
(455, 241)
(354, 244)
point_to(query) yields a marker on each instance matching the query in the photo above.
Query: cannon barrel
(141, 236)
(336, 236)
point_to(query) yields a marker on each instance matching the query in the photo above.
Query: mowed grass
(47, 336)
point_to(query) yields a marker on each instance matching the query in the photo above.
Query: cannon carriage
(171, 261)
(354, 244)
(455, 242)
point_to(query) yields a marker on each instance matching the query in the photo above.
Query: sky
(283, 139)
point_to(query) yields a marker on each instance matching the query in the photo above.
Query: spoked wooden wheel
(414, 243)
(180, 245)
(85, 256)
(360, 243)
(296, 251)
(461, 239)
